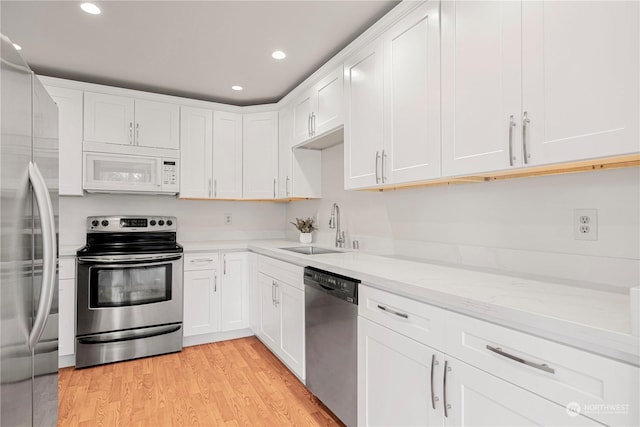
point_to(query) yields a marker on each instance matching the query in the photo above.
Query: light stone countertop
(593, 320)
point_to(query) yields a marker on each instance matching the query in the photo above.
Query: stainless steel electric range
(129, 289)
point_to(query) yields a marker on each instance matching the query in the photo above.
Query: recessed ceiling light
(278, 54)
(236, 87)
(17, 46)
(90, 8)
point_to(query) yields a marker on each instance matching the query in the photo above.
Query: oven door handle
(111, 337)
(129, 260)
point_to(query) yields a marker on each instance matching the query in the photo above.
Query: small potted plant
(305, 226)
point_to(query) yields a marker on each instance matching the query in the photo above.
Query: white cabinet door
(327, 114)
(157, 124)
(69, 102)
(301, 112)
(290, 301)
(363, 127)
(412, 97)
(399, 379)
(108, 119)
(285, 139)
(195, 152)
(476, 398)
(269, 317)
(201, 302)
(227, 155)
(580, 79)
(260, 155)
(66, 317)
(234, 300)
(481, 85)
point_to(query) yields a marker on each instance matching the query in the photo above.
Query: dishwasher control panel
(342, 287)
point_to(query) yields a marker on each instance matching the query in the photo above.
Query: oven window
(117, 287)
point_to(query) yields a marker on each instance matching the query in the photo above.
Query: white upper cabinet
(121, 120)
(195, 152)
(392, 104)
(227, 155)
(580, 79)
(157, 124)
(481, 51)
(319, 110)
(69, 102)
(412, 97)
(527, 83)
(363, 98)
(108, 119)
(260, 155)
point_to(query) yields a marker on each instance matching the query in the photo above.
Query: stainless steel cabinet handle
(215, 188)
(137, 133)
(273, 292)
(277, 300)
(525, 128)
(384, 157)
(224, 264)
(444, 389)
(215, 282)
(210, 187)
(286, 186)
(512, 124)
(433, 397)
(201, 260)
(542, 367)
(130, 132)
(377, 161)
(309, 125)
(274, 187)
(397, 313)
(313, 124)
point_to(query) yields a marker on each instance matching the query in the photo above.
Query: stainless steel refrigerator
(28, 246)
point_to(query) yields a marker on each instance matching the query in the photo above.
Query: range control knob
(152, 222)
(105, 222)
(169, 222)
(95, 223)
(161, 222)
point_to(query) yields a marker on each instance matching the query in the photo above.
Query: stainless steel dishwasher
(331, 327)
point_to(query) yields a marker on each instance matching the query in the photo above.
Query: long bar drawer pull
(542, 367)
(397, 313)
(202, 260)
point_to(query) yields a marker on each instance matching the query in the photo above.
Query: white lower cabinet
(476, 398)
(397, 379)
(66, 308)
(281, 318)
(215, 293)
(407, 375)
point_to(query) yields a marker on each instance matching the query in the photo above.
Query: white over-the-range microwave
(118, 173)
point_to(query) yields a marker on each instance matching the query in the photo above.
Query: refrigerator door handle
(49, 246)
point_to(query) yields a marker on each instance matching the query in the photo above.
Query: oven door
(128, 291)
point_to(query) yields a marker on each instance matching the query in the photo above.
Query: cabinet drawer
(201, 261)
(422, 322)
(67, 268)
(283, 271)
(606, 390)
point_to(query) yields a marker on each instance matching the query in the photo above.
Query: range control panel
(120, 224)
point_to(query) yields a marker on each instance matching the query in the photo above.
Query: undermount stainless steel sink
(311, 250)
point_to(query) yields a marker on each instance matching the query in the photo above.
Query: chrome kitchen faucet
(334, 222)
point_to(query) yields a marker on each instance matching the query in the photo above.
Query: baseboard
(215, 337)
(66, 361)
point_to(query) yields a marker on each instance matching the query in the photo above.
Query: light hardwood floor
(230, 383)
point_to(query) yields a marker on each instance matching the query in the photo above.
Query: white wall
(522, 226)
(198, 220)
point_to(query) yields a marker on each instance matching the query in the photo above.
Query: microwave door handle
(49, 246)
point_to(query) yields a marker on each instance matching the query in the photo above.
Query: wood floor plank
(231, 383)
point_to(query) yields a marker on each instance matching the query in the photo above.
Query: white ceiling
(195, 49)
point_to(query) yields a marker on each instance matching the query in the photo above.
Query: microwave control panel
(170, 175)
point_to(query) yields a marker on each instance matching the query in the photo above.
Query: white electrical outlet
(585, 224)
(227, 219)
